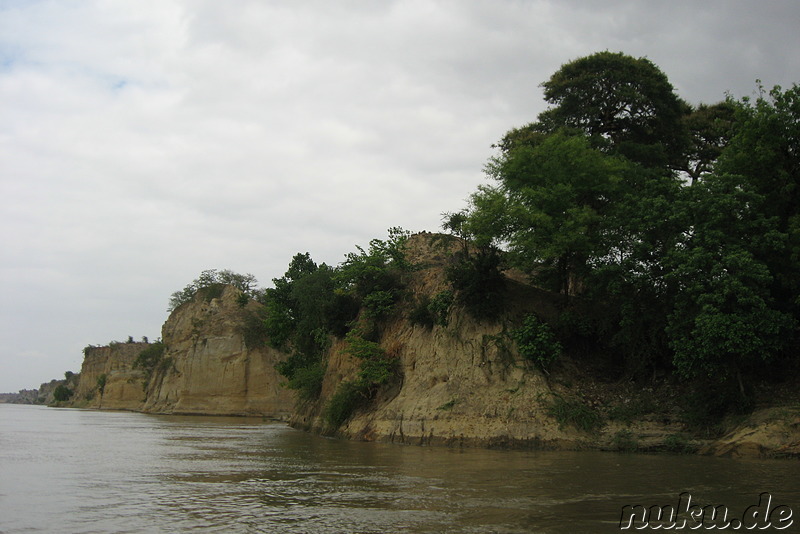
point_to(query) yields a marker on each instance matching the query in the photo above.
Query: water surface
(78, 471)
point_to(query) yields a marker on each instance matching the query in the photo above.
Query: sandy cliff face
(123, 384)
(210, 370)
(459, 384)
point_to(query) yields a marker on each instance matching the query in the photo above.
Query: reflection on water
(84, 471)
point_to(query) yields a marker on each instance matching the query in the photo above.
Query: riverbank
(455, 381)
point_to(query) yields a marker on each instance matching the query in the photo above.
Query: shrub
(341, 313)
(211, 292)
(254, 331)
(421, 314)
(101, 383)
(377, 368)
(62, 393)
(678, 443)
(633, 409)
(575, 413)
(149, 360)
(439, 306)
(432, 311)
(348, 397)
(214, 281)
(307, 381)
(536, 342)
(479, 284)
(378, 304)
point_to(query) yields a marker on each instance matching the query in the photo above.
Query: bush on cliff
(149, 360)
(309, 304)
(62, 393)
(213, 282)
(536, 342)
(377, 369)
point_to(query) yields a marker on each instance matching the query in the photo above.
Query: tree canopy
(622, 104)
(678, 227)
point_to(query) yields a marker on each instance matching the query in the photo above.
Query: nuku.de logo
(759, 516)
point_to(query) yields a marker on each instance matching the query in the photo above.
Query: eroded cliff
(208, 368)
(205, 368)
(458, 383)
(108, 379)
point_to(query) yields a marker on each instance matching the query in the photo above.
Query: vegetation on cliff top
(311, 304)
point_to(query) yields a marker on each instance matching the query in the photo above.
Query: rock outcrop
(460, 384)
(108, 378)
(206, 367)
(771, 432)
(210, 369)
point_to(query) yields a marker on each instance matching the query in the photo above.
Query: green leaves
(536, 342)
(725, 317)
(624, 104)
(214, 280)
(589, 202)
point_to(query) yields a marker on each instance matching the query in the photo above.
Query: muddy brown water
(64, 470)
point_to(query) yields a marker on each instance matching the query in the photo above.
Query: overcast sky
(144, 141)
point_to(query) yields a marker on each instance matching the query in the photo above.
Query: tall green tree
(624, 104)
(725, 323)
(765, 150)
(551, 207)
(709, 130)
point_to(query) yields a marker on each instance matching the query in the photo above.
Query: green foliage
(448, 405)
(307, 381)
(536, 342)
(478, 283)
(361, 348)
(213, 281)
(377, 368)
(632, 410)
(68, 375)
(150, 359)
(101, 383)
(678, 444)
(439, 307)
(429, 311)
(279, 323)
(341, 313)
(378, 304)
(624, 104)
(675, 229)
(711, 399)
(709, 130)
(574, 413)
(349, 396)
(242, 300)
(724, 315)
(166, 364)
(254, 331)
(421, 314)
(62, 393)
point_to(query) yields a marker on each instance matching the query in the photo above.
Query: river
(79, 471)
